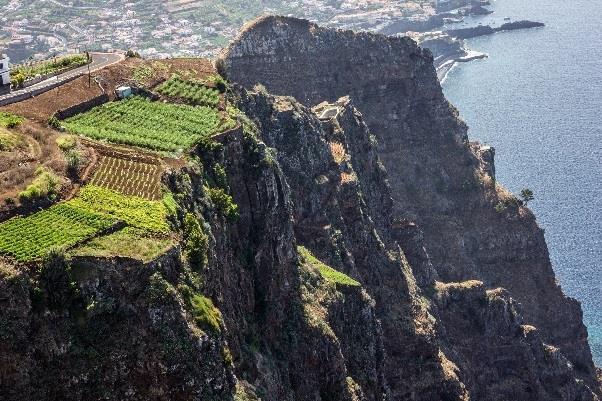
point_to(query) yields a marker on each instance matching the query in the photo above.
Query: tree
(197, 242)
(132, 54)
(526, 195)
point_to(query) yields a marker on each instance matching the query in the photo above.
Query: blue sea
(538, 100)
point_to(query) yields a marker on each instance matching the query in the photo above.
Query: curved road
(99, 61)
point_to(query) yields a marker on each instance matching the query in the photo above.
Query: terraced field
(192, 91)
(134, 211)
(153, 125)
(129, 177)
(61, 226)
(67, 224)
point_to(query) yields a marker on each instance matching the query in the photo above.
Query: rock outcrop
(482, 30)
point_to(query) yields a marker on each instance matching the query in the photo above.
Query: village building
(4, 70)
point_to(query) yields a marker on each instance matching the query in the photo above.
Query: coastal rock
(482, 30)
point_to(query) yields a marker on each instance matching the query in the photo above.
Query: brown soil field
(130, 177)
(132, 71)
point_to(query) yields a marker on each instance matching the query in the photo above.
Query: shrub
(510, 202)
(224, 203)
(526, 195)
(9, 141)
(45, 185)
(74, 160)
(66, 142)
(54, 122)
(132, 54)
(22, 73)
(197, 242)
(8, 120)
(209, 147)
(159, 290)
(18, 80)
(221, 177)
(170, 204)
(219, 82)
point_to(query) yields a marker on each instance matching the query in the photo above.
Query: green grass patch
(8, 120)
(192, 91)
(66, 142)
(205, 314)
(9, 141)
(128, 242)
(134, 211)
(61, 226)
(154, 125)
(326, 271)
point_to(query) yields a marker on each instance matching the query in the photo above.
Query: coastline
(444, 67)
(561, 42)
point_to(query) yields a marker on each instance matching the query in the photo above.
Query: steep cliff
(342, 207)
(437, 178)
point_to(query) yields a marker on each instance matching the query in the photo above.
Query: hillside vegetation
(25, 72)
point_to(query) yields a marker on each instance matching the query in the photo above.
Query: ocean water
(538, 100)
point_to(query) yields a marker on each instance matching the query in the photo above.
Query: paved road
(99, 61)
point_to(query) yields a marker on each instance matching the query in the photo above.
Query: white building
(4, 70)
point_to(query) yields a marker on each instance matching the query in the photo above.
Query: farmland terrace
(88, 183)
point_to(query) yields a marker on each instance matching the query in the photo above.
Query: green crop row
(61, 226)
(154, 125)
(194, 92)
(134, 211)
(94, 210)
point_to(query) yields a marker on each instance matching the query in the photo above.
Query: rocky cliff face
(438, 179)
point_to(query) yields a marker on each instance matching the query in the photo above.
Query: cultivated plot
(192, 91)
(153, 125)
(94, 211)
(61, 226)
(130, 177)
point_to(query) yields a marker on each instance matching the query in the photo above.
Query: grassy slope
(129, 242)
(326, 271)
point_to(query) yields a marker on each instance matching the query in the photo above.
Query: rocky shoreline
(448, 46)
(445, 67)
(482, 30)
